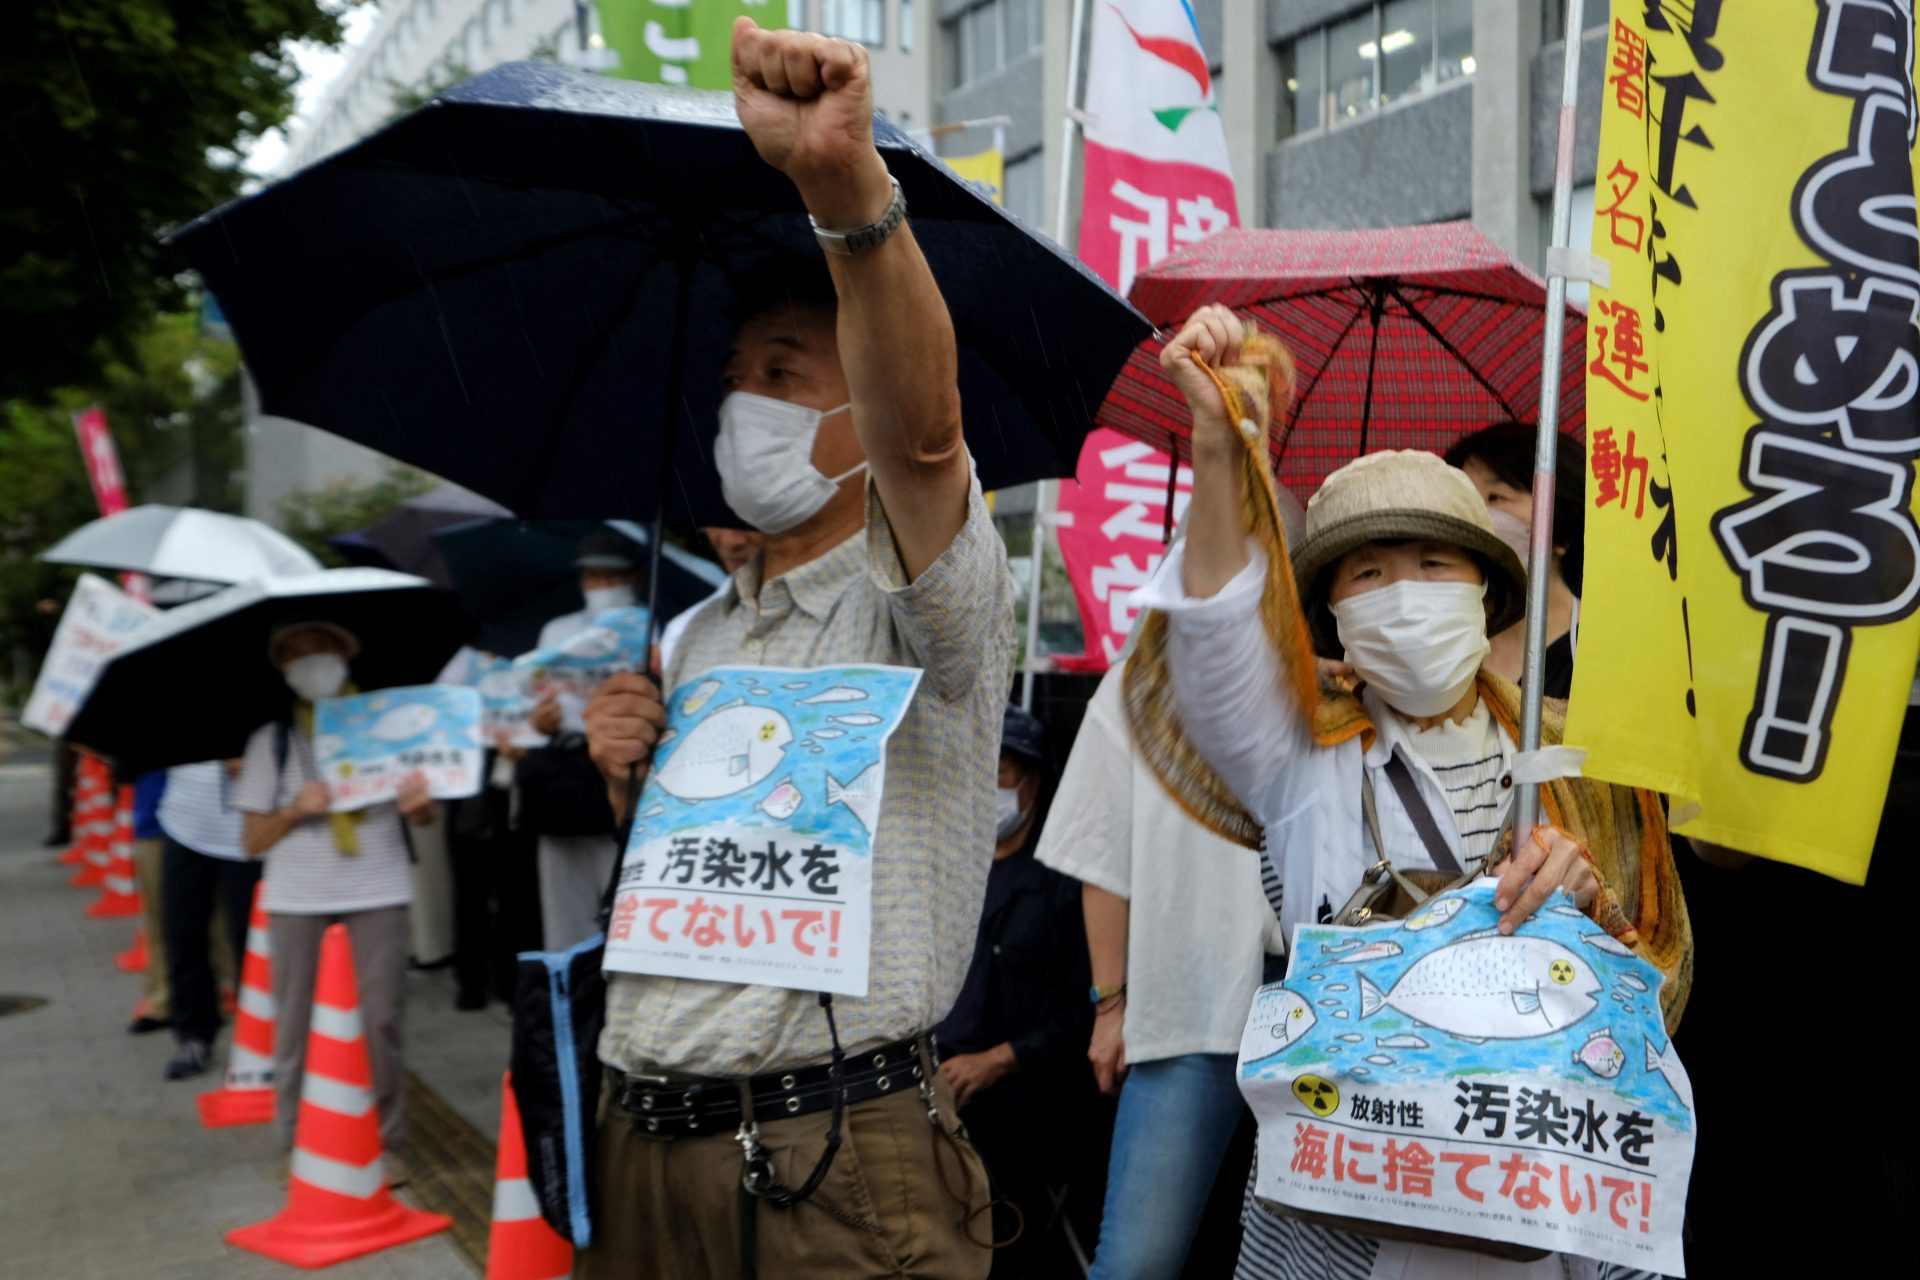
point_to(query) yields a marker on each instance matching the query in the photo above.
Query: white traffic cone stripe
(256, 1004)
(248, 1070)
(118, 884)
(514, 1201)
(336, 1024)
(335, 1096)
(257, 944)
(358, 1181)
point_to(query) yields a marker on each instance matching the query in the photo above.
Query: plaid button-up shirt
(935, 838)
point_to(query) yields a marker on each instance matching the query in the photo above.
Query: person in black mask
(1014, 1046)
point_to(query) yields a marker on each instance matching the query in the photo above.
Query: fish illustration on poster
(750, 858)
(505, 704)
(616, 640)
(1435, 1073)
(365, 745)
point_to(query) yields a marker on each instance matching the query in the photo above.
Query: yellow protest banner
(986, 170)
(1747, 639)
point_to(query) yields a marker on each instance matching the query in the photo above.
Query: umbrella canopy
(1405, 338)
(525, 284)
(514, 576)
(196, 682)
(182, 542)
(404, 536)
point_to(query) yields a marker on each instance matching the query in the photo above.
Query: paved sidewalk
(107, 1170)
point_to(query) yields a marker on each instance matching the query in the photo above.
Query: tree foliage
(174, 406)
(124, 118)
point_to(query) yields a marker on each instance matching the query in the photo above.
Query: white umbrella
(194, 682)
(183, 542)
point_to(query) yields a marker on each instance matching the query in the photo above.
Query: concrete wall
(1408, 163)
(1546, 111)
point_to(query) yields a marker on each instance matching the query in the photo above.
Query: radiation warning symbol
(1561, 971)
(1317, 1095)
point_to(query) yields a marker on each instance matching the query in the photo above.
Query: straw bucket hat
(1401, 495)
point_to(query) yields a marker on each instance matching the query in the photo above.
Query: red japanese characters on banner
(102, 458)
(1111, 529)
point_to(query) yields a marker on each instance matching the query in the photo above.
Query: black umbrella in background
(514, 576)
(527, 286)
(196, 681)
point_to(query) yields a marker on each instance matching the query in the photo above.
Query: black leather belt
(672, 1107)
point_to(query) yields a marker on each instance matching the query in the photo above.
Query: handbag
(562, 792)
(1388, 892)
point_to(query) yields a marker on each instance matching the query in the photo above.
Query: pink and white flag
(1156, 173)
(1156, 178)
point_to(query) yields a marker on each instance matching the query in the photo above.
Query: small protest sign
(367, 744)
(751, 858)
(1434, 1073)
(614, 641)
(99, 618)
(505, 704)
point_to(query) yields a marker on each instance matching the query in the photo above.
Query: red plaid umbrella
(1405, 338)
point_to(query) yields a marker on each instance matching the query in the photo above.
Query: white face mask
(1418, 644)
(765, 457)
(1006, 803)
(315, 676)
(600, 599)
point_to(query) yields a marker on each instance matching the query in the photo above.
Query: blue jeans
(1175, 1120)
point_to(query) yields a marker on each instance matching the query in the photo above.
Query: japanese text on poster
(1434, 1073)
(367, 744)
(505, 704)
(751, 858)
(1752, 561)
(99, 618)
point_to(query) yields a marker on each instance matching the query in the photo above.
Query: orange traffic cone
(521, 1245)
(96, 834)
(89, 785)
(338, 1205)
(134, 959)
(119, 895)
(247, 1095)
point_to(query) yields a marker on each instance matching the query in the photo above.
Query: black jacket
(1027, 985)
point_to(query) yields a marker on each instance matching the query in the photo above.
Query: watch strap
(872, 236)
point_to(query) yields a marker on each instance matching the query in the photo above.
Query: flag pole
(1546, 448)
(1062, 219)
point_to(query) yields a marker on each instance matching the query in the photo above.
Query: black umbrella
(405, 534)
(197, 681)
(513, 576)
(525, 287)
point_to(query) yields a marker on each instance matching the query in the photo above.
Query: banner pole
(1063, 200)
(1037, 562)
(1062, 214)
(1547, 447)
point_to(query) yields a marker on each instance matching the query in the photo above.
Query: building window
(989, 36)
(862, 20)
(1553, 18)
(1025, 188)
(906, 26)
(1387, 51)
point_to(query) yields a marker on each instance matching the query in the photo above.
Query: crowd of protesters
(1062, 957)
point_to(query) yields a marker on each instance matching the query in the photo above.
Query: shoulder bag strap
(1416, 806)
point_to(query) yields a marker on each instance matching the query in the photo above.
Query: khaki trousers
(156, 995)
(900, 1201)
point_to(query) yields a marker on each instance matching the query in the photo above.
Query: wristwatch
(871, 236)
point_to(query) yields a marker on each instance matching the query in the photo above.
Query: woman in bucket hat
(1268, 702)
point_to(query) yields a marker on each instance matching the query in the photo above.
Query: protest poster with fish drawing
(365, 745)
(616, 640)
(506, 708)
(751, 853)
(1434, 1073)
